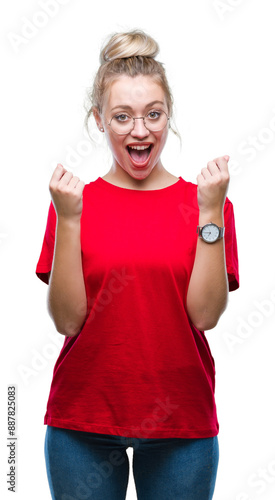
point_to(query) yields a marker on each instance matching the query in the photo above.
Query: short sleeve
(44, 264)
(231, 250)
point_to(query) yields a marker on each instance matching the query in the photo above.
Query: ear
(98, 119)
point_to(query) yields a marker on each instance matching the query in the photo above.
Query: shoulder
(90, 185)
(189, 192)
(189, 186)
(91, 188)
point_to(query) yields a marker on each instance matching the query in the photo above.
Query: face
(134, 96)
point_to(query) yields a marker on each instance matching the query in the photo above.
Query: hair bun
(132, 43)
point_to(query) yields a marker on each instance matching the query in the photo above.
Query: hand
(213, 184)
(66, 192)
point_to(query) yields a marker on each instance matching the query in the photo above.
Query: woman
(138, 266)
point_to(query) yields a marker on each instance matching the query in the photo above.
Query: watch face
(210, 233)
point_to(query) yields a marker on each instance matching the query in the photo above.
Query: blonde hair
(132, 53)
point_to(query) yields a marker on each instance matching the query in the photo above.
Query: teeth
(140, 147)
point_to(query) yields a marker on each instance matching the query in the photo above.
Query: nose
(139, 129)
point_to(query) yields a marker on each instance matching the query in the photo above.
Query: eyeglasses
(154, 121)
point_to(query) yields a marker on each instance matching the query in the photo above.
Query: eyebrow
(125, 106)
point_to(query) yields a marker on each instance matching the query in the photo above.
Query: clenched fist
(213, 184)
(66, 192)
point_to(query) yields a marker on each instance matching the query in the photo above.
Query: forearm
(67, 301)
(208, 287)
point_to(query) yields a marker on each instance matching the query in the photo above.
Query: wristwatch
(210, 232)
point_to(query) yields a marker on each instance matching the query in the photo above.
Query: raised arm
(66, 300)
(208, 287)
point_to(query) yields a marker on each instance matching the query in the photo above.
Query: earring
(102, 129)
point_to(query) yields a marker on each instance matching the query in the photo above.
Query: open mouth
(140, 154)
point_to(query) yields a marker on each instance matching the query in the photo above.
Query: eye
(122, 117)
(154, 115)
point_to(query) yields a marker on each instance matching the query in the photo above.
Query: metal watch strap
(221, 230)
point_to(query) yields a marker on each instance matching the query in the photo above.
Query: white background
(219, 59)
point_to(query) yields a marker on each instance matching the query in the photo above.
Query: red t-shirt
(138, 367)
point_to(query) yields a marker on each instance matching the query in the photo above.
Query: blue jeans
(90, 466)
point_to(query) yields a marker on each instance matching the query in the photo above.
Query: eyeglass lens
(153, 121)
